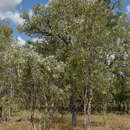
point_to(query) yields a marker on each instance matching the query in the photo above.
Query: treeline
(79, 64)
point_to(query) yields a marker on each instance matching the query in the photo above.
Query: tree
(5, 45)
(84, 36)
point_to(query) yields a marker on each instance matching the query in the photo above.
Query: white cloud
(8, 10)
(128, 9)
(14, 16)
(7, 5)
(20, 41)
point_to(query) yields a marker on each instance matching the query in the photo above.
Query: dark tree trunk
(119, 107)
(0, 114)
(73, 107)
(128, 108)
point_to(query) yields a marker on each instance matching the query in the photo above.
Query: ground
(99, 122)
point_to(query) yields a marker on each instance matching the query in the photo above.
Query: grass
(111, 122)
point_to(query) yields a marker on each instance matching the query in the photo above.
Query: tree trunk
(0, 114)
(89, 115)
(85, 105)
(11, 99)
(73, 108)
(40, 122)
(45, 121)
(124, 107)
(89, 110)
(32, 119)
(128, 108)
(119, 107)
(34, 99)
(85, 116)
(33, 110)
(50, 120)
(104, 109)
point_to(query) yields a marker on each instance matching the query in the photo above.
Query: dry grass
(110, 122)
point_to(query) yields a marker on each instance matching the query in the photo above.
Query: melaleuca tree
(81, 34)
(11, 76)
(52, 93)
(5, 46)
(39, 85)
(119, 65)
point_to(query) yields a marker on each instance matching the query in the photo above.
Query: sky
(11, 9)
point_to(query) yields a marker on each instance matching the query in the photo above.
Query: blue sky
(12, 8)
